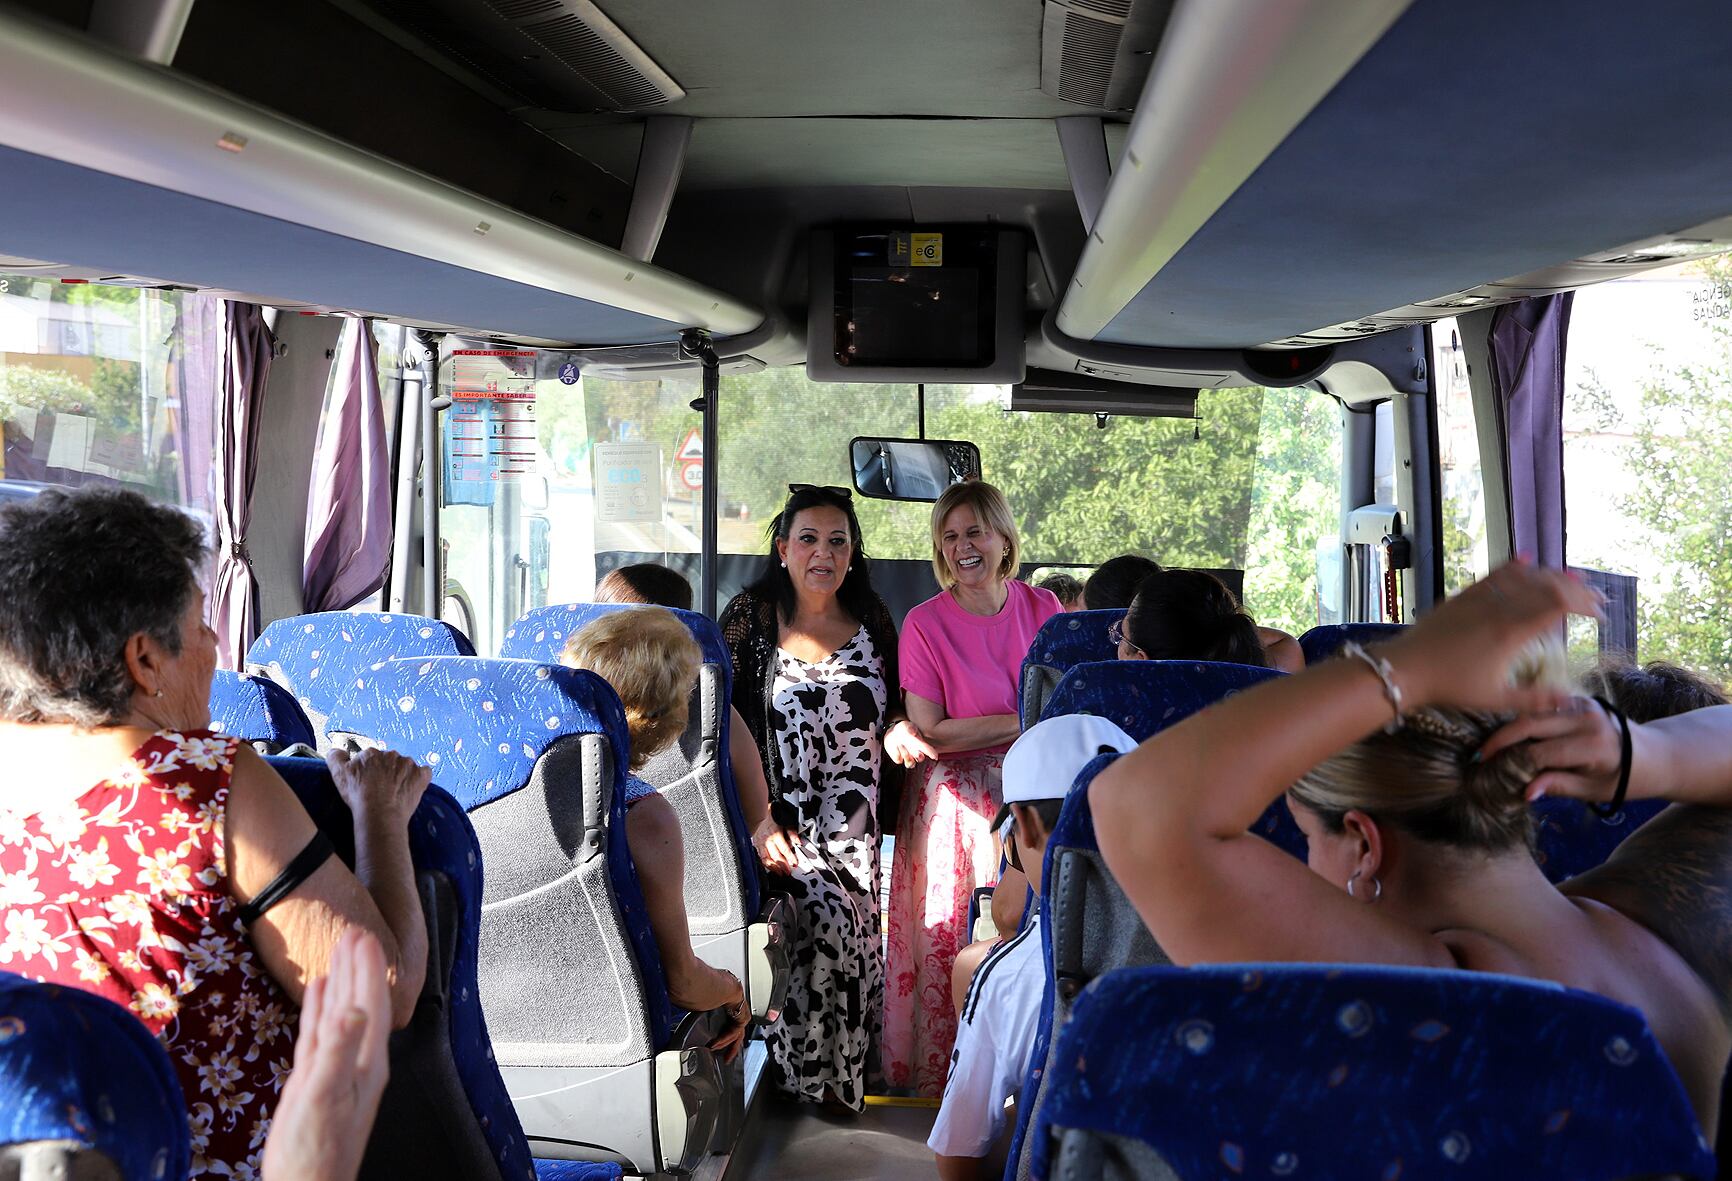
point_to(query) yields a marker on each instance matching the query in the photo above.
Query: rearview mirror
(911, 469)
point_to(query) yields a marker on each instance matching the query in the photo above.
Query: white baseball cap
(1045, 761)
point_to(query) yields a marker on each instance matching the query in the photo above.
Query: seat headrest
(353, 638)
(480, 724)
(1320, 643)
(76, 1067)
(1147, 696)
(540, 633)
(257, 710)
(1074, 637)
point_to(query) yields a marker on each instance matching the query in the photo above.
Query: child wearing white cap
(996, 1027)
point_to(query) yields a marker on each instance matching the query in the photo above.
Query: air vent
(1096, 53)
(559, 55)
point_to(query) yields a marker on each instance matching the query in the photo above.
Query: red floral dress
(124, 893)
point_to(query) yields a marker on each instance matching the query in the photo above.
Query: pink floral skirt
(944, 849)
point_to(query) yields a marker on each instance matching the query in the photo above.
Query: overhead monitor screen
(916, 299)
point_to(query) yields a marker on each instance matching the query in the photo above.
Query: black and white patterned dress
(827, 721)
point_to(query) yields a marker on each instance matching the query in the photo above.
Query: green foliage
(1253, 483)
(1683, 457)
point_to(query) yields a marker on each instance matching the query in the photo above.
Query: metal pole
(920, 395)
(695, 344)
(432, 576)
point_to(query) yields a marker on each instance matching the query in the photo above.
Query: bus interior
(1235, 283)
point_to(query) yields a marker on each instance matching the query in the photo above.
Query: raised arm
(267, 827)
(1172, 817)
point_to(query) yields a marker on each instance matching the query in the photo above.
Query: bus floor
(783, 1140)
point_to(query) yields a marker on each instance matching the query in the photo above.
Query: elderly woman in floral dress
(148, 860)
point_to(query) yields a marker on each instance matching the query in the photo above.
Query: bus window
(103, 384)
(1648, 453)
(1465, 554)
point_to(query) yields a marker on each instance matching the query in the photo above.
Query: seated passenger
(1653, 690)
(645, 582)
(1191, 615)
(656, 585)
(150, 861)
(1410, 769)
(1068, 590)
(998, 1018)
(652, 662)
(1114, 582)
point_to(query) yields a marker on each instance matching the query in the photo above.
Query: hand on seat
(379, 785)
(739, 1015)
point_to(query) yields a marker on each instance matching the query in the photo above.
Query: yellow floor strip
(899, 1101)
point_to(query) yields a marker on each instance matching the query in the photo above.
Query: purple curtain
(198, 347)
(1527, 358)
(247, 350)
(348, 540)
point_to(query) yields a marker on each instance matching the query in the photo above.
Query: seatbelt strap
(305, 864)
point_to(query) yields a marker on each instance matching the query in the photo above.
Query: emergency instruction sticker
(493, 373)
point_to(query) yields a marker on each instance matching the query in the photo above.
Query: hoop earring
(1376, 886)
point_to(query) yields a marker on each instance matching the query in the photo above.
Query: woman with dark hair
(1187, 615)
(153, 862)
(814, 653)
(1115, 581)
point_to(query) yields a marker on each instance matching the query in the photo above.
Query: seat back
(86, 1093)
(695, 775)
(445, 1112)
(1352, 1071)
(1088, 926)
(1570, 838)
(535, 754)
(258, 710)
(1320, 643)
(319, 657)
(1062, 643)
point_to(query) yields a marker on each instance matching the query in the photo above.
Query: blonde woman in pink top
(961, 653)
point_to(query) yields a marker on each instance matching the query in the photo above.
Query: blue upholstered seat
(1300, 1070)
(441, 843)
(1569, 838)
(598, 1063)
(483, 726)
(1062, 643)
(577, 1170)
(79, 1075)
(1320, 643)
(540, 635)
(319, 657)
(1090, 926)
(258, 710)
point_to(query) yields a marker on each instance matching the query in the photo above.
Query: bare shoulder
(1674, 877)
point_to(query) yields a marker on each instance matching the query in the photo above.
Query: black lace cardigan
(750, 629)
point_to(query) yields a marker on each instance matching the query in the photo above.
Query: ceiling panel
(769, 153)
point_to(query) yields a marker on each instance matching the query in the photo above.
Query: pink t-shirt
(970, 664)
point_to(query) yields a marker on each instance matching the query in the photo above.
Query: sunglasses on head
(832, 489)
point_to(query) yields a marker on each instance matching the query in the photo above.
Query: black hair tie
(1616, 806)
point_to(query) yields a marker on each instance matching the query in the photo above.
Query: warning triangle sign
(691, 447)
